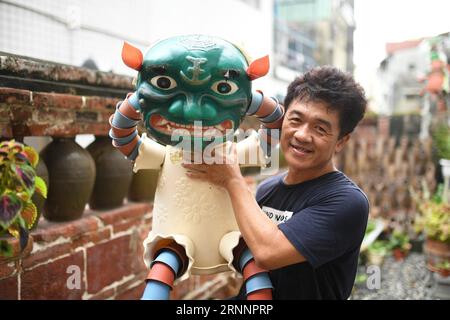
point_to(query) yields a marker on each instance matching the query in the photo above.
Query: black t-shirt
(325, 219)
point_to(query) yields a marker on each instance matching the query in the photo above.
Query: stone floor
(405, 280)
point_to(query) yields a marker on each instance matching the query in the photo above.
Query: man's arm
(267, 242)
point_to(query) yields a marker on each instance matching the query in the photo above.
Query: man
(313, 253)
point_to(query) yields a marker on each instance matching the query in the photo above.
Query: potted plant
(376, 252)
(18, 183)
(434, 221)
(399, 244)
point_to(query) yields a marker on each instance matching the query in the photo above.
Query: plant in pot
(18, 183)
(376, 252)
(435, 223)
(399, 244)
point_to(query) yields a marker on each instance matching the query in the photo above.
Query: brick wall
(41, 98)
(106, 247)
(387, 163)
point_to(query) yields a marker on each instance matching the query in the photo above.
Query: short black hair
(337, 89)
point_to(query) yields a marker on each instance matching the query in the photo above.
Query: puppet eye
(163, 82)
(224, 87)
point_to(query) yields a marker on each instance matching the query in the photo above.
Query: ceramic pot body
(143, 185)
(436, 253)
(71, 172)
(113, 178)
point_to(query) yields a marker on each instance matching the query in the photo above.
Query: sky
(381, 21)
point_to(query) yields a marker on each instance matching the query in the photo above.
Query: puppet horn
(132, 56)
(258, 68)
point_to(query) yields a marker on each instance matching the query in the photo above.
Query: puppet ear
(258, 68)
(132, 56)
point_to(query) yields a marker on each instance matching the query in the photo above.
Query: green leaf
(10, 207)
(15, 228)
(29, 214)
(6, 250)
(40, 186)
(26, 175)
(32, 155)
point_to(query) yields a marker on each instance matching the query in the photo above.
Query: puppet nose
(193, 111)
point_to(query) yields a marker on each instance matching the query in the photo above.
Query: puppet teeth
(162, 122)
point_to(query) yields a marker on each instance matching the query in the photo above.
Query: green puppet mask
(195, 87)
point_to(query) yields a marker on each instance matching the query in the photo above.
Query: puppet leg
(170, 262)
(257, 282)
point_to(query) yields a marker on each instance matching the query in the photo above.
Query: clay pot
(71, 171)
(38, 200)
(399, 255)
(113, 178)
(436, 252)
(143, 185)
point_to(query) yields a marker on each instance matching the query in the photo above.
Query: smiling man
(306, 225)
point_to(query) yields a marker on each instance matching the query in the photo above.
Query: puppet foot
(168, 264)
(257, 282)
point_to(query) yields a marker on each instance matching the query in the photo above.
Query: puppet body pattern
(196, 214)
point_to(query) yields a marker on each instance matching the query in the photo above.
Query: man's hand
(223, 169)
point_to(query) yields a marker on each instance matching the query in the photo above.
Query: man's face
(309, 136)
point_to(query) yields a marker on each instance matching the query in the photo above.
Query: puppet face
(194, 87)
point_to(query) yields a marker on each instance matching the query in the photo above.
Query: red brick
(94, 237)
(14, 96)
(56, 100)
(143, 230)
(132, 294)
(101, 103)
(137, 279)
(49, 281)
(182, 288)
(138, 264)
(20, 114)
(206, 278)
(52, 252)
(4, 113)
(50, 231)
(9, 289)
(131, 210)
(58, 129)
(126, 225)
(148, 220)
(108, 262)
(103, 116)
(88, 116)
(98, 129)
(52, 116)
(8, 269)
(6, 131)
(110, 293)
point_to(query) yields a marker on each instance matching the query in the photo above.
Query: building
(296, 34)
(314, 32)
(401, 76)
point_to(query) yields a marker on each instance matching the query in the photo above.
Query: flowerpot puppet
(193, 88)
